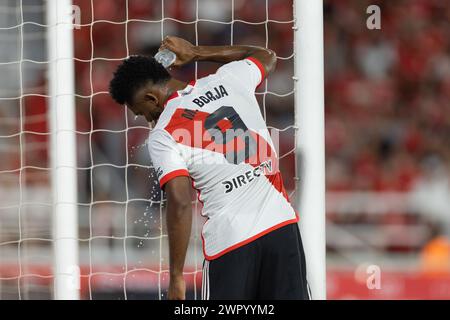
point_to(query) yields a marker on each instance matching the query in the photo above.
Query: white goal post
(61, 79)
(310, 138)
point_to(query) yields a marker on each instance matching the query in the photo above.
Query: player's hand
(184, 50)
(177, 288)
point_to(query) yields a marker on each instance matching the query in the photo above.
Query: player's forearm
(179, 221)
(186, 52)
(225, 54)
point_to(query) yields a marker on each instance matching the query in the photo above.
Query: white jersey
(213, 132)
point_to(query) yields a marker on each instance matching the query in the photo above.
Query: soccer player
(210, 134)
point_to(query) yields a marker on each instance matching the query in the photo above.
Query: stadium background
(387, 143)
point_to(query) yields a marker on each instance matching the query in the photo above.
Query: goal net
(122, 237)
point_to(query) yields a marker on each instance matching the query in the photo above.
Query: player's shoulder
(246, 73)
(235, 66)
(154, 135)
(158, 136)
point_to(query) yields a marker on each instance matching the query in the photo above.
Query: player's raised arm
(179, 221)
(186, 52)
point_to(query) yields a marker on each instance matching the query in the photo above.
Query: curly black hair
(132, 74)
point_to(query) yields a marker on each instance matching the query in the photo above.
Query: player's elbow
(272, 55)
(271, 61)
(267, 57)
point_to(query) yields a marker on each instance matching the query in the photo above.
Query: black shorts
(271, 267)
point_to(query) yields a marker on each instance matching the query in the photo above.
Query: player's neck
(172, 86)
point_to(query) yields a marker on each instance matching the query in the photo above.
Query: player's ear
(151, 97)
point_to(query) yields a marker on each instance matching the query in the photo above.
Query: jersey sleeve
(166, 157)
(248, 72)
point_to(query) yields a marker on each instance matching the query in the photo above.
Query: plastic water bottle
(166, 57)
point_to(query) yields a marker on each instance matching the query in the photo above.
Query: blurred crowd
(387, 95)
